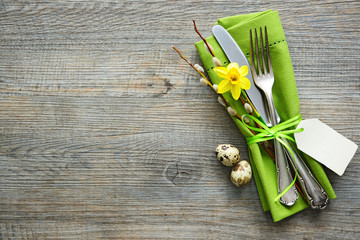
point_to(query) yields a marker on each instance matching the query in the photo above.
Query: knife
(234, 54)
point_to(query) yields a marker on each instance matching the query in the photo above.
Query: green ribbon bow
(277, 132)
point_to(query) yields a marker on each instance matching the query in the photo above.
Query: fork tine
(252, 54)
(268, 51)
(262, 53)
(257, 53)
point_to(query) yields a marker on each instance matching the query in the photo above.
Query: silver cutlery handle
(284, 177)
(315, 195)
(283, 170)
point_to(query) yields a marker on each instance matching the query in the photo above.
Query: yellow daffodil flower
(234, 79)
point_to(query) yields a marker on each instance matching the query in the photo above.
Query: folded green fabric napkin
(285, 98)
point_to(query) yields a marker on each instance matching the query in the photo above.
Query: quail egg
(241, 174)
(227, 154)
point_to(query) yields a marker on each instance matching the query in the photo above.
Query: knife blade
(234, 54)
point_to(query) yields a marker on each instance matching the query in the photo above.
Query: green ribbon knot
(277, 132)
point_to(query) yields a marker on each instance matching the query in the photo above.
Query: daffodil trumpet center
(234, 79)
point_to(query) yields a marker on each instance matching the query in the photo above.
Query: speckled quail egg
(227, 154)
(241, 174)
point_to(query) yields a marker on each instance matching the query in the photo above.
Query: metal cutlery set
(262, 78)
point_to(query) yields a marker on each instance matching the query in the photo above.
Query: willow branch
(206, 43)
(192, 65)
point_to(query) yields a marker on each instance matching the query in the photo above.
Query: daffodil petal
(232, 65)
(243, 70)
(235, 91)
(244, 83)
(224, 86)
(221, 72)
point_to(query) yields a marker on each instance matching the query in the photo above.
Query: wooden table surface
(107, 134)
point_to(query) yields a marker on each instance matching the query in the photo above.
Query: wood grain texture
(105, 133)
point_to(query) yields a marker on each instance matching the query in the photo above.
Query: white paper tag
(325, 145)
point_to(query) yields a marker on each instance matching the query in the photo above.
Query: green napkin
(285, 98)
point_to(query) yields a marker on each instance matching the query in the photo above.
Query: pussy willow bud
(245, 118)
(207, 48)
(204, 81)
(199, 68)
(231, 111)
(216, 62)
(215, 87)
(248, 108)
(221, 101)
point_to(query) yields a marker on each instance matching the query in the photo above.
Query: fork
(312, 190)
(264, 79)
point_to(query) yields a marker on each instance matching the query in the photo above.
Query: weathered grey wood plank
(106, 133)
